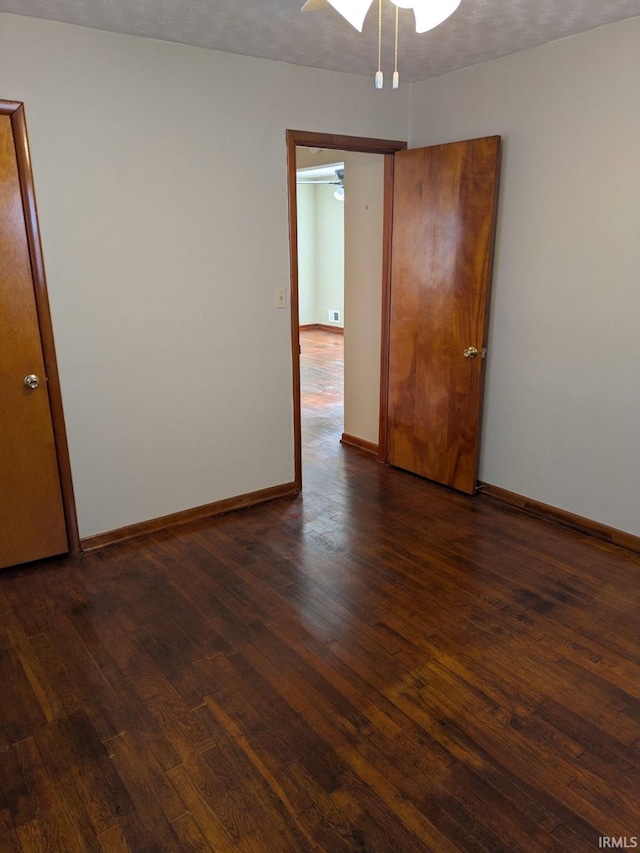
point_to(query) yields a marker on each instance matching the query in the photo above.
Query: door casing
(15, 111)
(363, 145)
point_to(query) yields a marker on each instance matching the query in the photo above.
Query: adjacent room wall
(165, 237)
(562, 414)
(329, 256)
(307, 302)
(320, 243)
(364, 196)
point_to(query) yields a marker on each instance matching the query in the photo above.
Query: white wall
(329, 255)
(562, 414)
(164, 239)
(364, 205)
(307, 302)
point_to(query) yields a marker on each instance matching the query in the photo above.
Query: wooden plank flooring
(381, 665)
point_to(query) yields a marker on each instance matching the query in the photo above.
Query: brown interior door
(32, 522)
(444, 211)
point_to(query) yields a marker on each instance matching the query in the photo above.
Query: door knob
(470, 352)
(31, 381)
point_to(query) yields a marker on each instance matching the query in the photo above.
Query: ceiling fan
(338, 183)
(429, 13)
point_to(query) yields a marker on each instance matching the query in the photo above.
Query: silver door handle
(31, 381)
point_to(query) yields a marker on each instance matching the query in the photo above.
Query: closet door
(32, 520)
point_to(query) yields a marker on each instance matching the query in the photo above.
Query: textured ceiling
(276, 29)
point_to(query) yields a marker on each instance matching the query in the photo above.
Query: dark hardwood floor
(379, 665)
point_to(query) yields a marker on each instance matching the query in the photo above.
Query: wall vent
(334, 316)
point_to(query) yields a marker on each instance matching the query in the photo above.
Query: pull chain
(379, 76)
(396, 76)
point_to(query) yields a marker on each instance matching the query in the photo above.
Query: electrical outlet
(281, 297)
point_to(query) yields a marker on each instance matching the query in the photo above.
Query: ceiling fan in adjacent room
(428, 14)
(339, 183)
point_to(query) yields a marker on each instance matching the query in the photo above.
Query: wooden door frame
(363, 145)
(15, 111)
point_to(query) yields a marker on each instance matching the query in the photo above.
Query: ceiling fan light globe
(354, 11)
(431, 13)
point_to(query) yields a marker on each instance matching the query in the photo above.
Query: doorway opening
(321, 278)
(437, 265)
(323, 412)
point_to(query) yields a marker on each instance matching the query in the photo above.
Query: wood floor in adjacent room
(379, 666)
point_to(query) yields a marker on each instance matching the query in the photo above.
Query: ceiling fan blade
(315, 5)
(430, 14)
(355, 11)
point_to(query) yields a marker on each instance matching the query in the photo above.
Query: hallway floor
(322, 398)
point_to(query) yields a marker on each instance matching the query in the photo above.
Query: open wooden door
(444, 212)
(32, 517)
